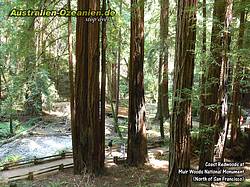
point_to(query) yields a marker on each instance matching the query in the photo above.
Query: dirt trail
(6, 175)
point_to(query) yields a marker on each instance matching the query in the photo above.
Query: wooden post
(30, 176)
(35, 161)
(61, 167)
(63, 154)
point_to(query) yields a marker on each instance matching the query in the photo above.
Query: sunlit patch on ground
(159, 164)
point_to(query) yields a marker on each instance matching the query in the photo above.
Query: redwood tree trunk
(163, 64)
(113, 80)
(164, 37)
(183, 81)
(222, 121)
(137, 138)
(103, 82)
(236, 83)
(89, 151)
(212, 85)
(160, 108)
(118, 69)
(71, 79)
(163, 107)
(203, 67)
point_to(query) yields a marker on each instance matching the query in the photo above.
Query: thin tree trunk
(116, 125)
(164, 33)
(113, 79)
(159, 114)
(183, 81)
(71, 80)
(118, 68)
(159, 102)
(71, 68)
(115, 117)
(11, 125)
(160, 98)
(163, 106)
(137, 138)
(31, 104)
(163, 112)
(103, 82)
(57, 65)
(203, 76)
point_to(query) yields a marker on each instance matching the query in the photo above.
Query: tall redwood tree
(88, 132)
(212, 85)
(181, 119)
(236, 81)
(137, 140)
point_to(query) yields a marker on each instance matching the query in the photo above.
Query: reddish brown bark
(203, 66)
(118, 69)
(71, 79)
(137, 140)
(163, 108)
(88, 132)
(235, 128)
(103, 82)
(164, 37)
(222, 121)
(183, 81)
(113, 80)
(212, 85)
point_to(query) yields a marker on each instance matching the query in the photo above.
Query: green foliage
(242, 184)
(245, 183)
(18, 127)
(123, 88)
(151, 86)
(196, 100)
(231, 185)
(195, 139)
(46, 87)
(11, 159)
(4, 129)
(26, 81)
(32, 121)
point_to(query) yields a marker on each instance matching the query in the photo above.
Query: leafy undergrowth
(18, 127)
(4, 130)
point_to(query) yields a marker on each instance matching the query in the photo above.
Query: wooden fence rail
(35, 161)
(32, 175)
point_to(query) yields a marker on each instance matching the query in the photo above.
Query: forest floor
(153, 174)
(114, 176)
(54, 135)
